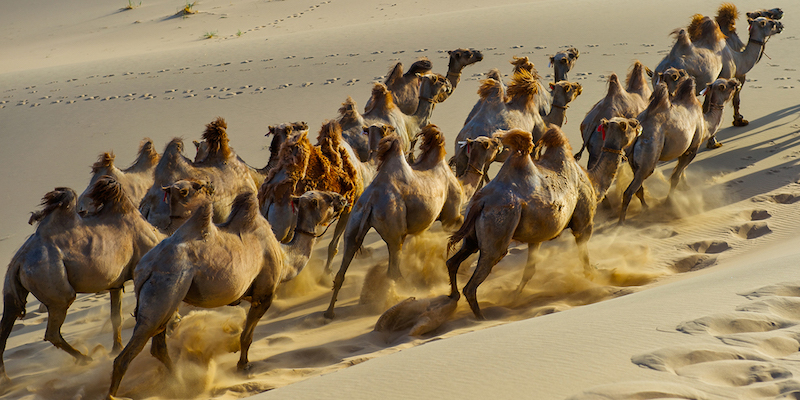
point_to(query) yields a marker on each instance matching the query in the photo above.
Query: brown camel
(402, 200)
(221, 168)
(433, 89)
(672, 128)
(563, 93)
(534, 201)
(481, 153)
(184, 197)
(187, 266)
(738, 58)
(626, 102)
(405, 86)
(135, 180)
(717, 94)
(70, 254)
(516, 108)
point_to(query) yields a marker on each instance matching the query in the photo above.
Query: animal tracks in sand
(758, 351)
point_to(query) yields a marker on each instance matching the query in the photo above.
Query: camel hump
(201, 219)
(494, 73)
(348, 114)
(432, 138)
(521, 63)
(704, 29)
(554, 137)
(727, 14)
(491, 89)
(147, 153)
(388, 147)
(421, 66)
(614, 85)
(518, 140)
(244, 212)
(523, 84)
(217, 138)
(660, 99)
(106, 160)
(686, 89)
(381, 98)
(330, 130)
(60, 198)
(394, 74)
(174, 147)
(107, 194)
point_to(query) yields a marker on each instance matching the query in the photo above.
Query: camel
(481, 153)
(563, 62)
(563, 93)
(738, 58)
(405, 86)
(70, 254)
(534, 201)
(402, 200)
(672, 128)
(434, 88)
(184, 197)
(671, 76)
(221, 168)
(619, 101)
(516, 108)
(135, 180)
(186, 268)
(717, 94)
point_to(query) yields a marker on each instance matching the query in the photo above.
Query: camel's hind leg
(738, 119)
(158, 349)
(56, 314)
(157, 301)
(357, 229)
(468, 247)
(333, 247)
(116, 318)
(530, 266)
(677, 173)
(254, 314)
(12, 309)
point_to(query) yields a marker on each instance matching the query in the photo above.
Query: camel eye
(564, 60)
(623, 125)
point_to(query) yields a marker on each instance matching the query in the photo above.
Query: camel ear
(303, 125)
(184, 192)
(485, 144)
(196, 144)
(578, 88)
(295, 203)
(763, 23)
(552, 86)
(550, 64)
(270, 130)
(648, 71)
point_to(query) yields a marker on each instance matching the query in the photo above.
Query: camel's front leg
(468, 247)
(257, 310)
(333, 247)
(357, 227)
(677, 173)
(738, 119)
(636, 186)
(530, 266)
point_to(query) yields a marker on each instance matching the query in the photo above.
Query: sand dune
(693, 299)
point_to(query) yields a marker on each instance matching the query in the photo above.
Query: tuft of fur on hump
(348, 111)
(727, 16)
(244, 211)
(147, 153)
(293, 159)
(217, 139)
(60, 197)
(521, 64)
(107, 195)
(106, 160)
(387, 148)
(432, 140)
(634, 81)
(381, 99)
(421, 66)
(523, 88)
(491, 89)
(518, 140)
(705, 31)
(554, 137)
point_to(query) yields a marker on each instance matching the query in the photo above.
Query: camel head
(619, 133)
(774, 13)
(375, 133)
(481, 151)
(62, 198)
(315, 208)
(671, 76)
(434, 88)
(562, 62)
(565, 92)
(719, 92)
(762, 28)
(276, 206)
(184, 197)
(460, 58)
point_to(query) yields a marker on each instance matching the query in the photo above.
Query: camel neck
(605, 170)
(424, 111)
(470, 180)
(713, 117)
(751, 55)
(298, 251)
(557, 114)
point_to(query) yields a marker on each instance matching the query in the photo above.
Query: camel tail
(61, 197)
(14, 294)
(468, 227)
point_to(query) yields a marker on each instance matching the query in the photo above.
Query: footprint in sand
(710, 246)
(284, 86)
(782, 198)
(351, 82)
(398, 52)
(693, 263)
(756, 215)
(752, 230)
(306, 84)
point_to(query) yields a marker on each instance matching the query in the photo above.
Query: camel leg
(738, 119)
(486, 261)
(394, 241)
(353, 238)
(157, 301)
(640, 196)
(158, 348)
(116, 318)
(333, 247)
(639, 175)
(56, 314)
(12, 309)
(530, 266)
(254, 314)
(468, 247)
(677, 173)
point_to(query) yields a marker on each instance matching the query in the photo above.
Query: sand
(692, 300)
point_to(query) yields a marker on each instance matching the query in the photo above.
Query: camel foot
(83, 360)
(713, 144)
(454, 296)
(329, 314)
(740, 122)
(243, 368)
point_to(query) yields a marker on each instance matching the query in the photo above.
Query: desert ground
(696, 298)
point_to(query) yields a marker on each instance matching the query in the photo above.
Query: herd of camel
(214, 231)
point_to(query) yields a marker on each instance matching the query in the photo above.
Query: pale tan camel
(71, 254)
(221, 168)
(135, 180)
(402, 200)
(184, 197)
(433, 89)
(702, 61)
(534, 201)
(717, 94)
(619, 101)
(563, 62)
(481, 153)
(405, 86)
(563, 93)
(516, 108)
(738, 58)
(672, 128)
(187, 266)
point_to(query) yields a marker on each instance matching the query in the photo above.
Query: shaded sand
(692, 298)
